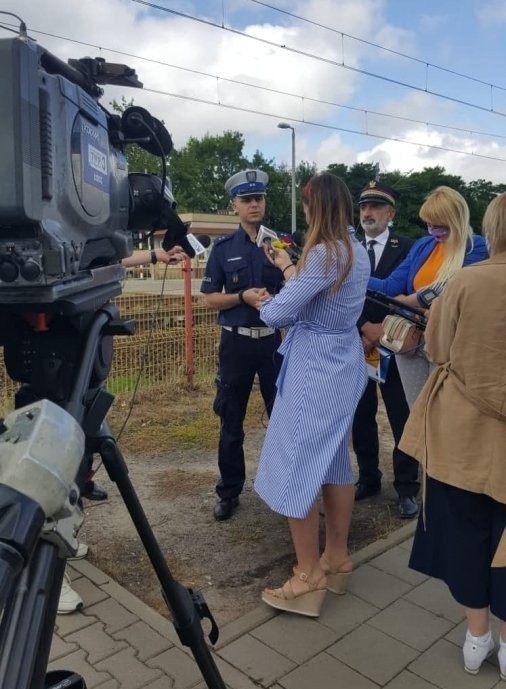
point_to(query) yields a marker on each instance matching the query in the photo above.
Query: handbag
(400, 336)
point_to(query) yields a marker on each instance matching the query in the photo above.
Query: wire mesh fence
(159, 350)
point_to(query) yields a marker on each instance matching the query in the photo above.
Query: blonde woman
(432, 261)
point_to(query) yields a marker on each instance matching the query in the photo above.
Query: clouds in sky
(166, 39)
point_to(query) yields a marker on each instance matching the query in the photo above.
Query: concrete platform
(394, 628)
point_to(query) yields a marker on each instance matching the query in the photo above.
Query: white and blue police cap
(247, 183)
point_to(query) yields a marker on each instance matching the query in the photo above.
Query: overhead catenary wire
(364, 111)
(252, 111)
(326, 60)
(279, 92)
(377, 45)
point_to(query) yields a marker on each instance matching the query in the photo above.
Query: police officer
(386, 251)
(247, 346)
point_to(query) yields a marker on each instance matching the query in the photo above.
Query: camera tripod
(64, 356)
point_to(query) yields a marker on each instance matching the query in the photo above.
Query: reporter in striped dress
(322, 378)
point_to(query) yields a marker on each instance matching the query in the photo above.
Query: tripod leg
(187, 609)
(27, 625)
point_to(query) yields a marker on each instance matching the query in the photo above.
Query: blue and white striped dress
(322, 378)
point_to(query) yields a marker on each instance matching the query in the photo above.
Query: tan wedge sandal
(308, 602)
(337, 578)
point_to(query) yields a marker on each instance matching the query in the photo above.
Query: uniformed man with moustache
(386, 251)
(247, 347)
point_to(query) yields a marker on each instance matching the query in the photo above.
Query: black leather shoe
(408, 507)
(93, 492)
(225, 508)
(365, 490)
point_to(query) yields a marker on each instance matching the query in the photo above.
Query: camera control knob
(9, 271)
(30, 270)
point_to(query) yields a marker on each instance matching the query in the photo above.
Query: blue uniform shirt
(237, 263)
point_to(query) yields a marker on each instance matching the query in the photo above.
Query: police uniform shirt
(237, 263)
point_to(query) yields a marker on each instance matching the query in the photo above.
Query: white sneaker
(477, 649)
(82, 551)
(501, 656)
(70, 600)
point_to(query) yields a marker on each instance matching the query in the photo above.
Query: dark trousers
(240, 358)
(365, 434)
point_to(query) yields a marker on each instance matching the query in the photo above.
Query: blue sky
(467, 37)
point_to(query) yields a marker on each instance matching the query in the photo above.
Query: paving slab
(146, 641)
(433, 595)
(377, 587)
(411, 624)
(395, 562)
(95, 642)
(442, 665)
(297, 638)
(394, 628)
(344, 613)
(263, 664)
(373, 653)
(325, 672)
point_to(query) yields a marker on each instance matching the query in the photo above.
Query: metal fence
(160, 347)
(176, 341)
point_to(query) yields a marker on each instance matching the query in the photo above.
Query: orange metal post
(188, 320)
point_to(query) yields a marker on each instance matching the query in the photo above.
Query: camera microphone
(176, 231)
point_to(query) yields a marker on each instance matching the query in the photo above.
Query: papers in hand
(378, 361)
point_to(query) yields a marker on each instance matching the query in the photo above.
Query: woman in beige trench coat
(457, 431)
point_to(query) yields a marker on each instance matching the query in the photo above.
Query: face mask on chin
(440, 234)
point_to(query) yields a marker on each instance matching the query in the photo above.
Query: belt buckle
(255, 333)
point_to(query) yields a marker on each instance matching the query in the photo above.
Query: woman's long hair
(494, 224)
(330, 210)
(445, 207)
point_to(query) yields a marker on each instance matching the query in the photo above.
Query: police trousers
(240, 359)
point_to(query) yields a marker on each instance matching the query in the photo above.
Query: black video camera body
(68, 206)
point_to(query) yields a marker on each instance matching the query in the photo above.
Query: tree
(200, 169)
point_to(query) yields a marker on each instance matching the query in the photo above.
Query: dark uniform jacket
(237, 263)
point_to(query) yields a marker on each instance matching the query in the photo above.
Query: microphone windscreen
(204, 239)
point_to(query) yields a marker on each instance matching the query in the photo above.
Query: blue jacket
(400, 281)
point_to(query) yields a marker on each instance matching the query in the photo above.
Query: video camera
(68, 206)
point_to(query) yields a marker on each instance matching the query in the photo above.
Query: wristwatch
(154, 259)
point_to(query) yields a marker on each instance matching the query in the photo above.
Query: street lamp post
(285, 125)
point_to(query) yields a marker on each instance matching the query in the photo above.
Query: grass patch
(172, 416)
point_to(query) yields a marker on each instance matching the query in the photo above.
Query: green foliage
(200, 169)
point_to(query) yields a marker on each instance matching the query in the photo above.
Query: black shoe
(225, 508)
(365, 490)
(408, 507)
(93, 492)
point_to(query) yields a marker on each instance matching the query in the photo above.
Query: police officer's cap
(247, 183)
(375, 192)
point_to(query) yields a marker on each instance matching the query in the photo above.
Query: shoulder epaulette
(222, 239)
